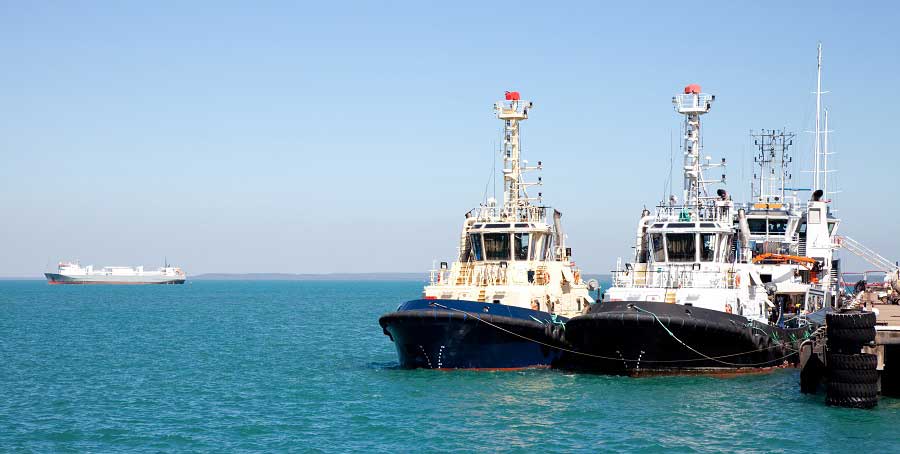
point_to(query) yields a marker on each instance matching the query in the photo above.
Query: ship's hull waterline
(61, 279)
(458, 334)
(652, 338)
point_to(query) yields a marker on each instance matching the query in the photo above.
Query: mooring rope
(714, 358)
(666, 328)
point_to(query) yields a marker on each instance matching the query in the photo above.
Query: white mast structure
(692, 104)
(817, 151)
(516, 203)
(820, 161)
(825, 154)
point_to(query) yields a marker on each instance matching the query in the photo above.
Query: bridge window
(521, 246)
(539, 246)
(681, 247)
(475, 239)
(659, 252)
(757, 226)
(778, 225)
(707, 247)
(496, 246)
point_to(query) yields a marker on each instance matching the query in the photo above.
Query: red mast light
(692, 89)
(512, 96)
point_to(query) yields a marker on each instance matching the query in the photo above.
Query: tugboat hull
(649, 338)
(457, 334)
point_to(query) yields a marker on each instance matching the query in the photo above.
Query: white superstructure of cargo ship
(74, 273)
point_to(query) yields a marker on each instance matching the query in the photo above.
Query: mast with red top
(692, 104)
(516, 203)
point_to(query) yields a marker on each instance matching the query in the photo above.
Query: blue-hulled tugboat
(503, 302)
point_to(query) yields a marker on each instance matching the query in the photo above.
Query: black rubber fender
(848, 320)
(850, 336)
(840, 389)
(851, 402)
(854, 361)
(853, 376)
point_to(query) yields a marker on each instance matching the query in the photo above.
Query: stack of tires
(852, 376)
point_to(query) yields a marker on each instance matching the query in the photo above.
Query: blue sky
(352, 137)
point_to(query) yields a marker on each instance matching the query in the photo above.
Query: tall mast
(818, 152)
(515, 197)
(692, 104)
(825, 160)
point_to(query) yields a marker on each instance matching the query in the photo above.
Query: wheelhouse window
(535, 246)
(475, 239)
(539, 244)
(707, 247)
(521, 246)
(681, 247)
(659, 252)
(757, 226)
(727, 248)
(778, 225)
(496, 246)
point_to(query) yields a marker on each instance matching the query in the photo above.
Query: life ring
(545, 276)
(577, 276)
(737, 280)
(728, 308)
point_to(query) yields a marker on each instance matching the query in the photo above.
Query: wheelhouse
(689, 242)
(503, 242)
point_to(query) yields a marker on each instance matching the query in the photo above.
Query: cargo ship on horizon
(74, 273)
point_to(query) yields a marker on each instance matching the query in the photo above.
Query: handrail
(674, 278)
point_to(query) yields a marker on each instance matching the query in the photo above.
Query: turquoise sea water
(304, 367)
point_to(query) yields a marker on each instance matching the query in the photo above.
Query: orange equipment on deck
(807, 262)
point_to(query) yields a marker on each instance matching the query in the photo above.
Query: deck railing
(675, 278)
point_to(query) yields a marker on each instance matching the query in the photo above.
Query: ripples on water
(304, 367)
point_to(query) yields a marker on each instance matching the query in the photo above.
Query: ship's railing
(482, 274)
(674, 278)
(788, 204)
(518, 214)
(689, 102)
(774, 247)
(690, 214)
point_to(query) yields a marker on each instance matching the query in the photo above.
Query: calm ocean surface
(304, 367)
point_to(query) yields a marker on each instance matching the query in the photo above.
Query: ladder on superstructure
(867, 254)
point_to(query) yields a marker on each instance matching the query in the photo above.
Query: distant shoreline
(420, 277)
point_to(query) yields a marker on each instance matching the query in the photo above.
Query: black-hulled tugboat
(711, 287)
(503, 302)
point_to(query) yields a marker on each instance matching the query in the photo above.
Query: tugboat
(503, 303)
(700, 295)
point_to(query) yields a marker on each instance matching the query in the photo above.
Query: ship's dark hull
(457, 334)
(639, 338)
